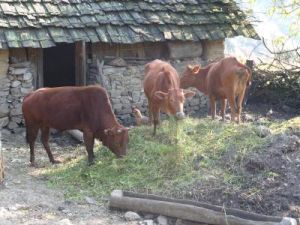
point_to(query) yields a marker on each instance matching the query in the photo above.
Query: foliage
(276, 87)
(173, 163)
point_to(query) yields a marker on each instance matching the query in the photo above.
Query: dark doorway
(59, 66)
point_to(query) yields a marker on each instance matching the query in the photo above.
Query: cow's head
(174, 100)
(189, 77)
(116, 139)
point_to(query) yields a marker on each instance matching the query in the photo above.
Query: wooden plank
(186, 211)
(80, 63)
(35, 56)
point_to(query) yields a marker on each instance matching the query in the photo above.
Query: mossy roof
(43, 23)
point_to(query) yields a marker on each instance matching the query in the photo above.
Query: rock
(19, 65)
(131, 216)
(16, 111)
(19, 71)
(263, 131)
(162, 220)
(12, 125)
(4, 121)
(63, 222)
(90, 200)
(117, 62)
(15, 83)
(146, 222)
(248, 118)
(4, 110)
(26, 91)
(27, 76)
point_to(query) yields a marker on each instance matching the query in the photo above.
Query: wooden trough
(191, 210)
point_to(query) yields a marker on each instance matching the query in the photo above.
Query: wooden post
(80, 63)
(1, 162)
(250, 64)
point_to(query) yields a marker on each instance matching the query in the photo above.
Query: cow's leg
(45, 141)
(89, 140)
(150, 112)
(231, 100)
(212, 100)
(223, 108)
(155, 114)
(31, 134)
(240, 105)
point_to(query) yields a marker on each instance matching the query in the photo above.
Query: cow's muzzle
(180, 115)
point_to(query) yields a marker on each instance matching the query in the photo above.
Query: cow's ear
(161, 95)
(188, 94)
(196, 69)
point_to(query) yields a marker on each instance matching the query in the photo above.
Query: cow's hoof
(90, 163)
(56, 162)
(33, 164)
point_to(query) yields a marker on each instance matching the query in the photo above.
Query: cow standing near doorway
(64, 108)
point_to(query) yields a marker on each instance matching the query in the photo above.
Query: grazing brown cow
(85, 108)
(139, 118)
(161, 86)
(225, 79)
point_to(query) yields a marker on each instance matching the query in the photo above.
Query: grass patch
(172, 163)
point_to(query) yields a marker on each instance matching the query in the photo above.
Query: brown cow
(225, 79)
(161, 86)
(85, 108)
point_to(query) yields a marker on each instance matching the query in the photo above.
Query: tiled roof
(42, 23)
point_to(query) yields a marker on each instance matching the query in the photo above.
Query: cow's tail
(244, 75)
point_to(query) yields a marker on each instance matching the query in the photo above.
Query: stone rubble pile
(21, 83)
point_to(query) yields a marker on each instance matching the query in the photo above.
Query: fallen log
(191, 210)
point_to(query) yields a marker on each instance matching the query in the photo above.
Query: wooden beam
(189, 210)
(80, 63)
(35, 56)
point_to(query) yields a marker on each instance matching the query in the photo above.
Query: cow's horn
(106, 131)
(119, 131)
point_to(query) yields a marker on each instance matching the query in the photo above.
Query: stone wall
(125, 87)
(4, 88)
(20, 77)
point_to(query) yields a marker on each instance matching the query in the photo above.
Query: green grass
(165, 164)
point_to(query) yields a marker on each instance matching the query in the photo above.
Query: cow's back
(65, 107)
(159, 76)
(227, 74)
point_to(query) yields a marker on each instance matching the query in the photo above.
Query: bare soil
(25, 197)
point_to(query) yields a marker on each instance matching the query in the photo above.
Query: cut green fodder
(180, 157)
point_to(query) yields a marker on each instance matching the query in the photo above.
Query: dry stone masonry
(20, 77)
(125, 87)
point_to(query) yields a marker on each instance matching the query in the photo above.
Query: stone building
(79, 42)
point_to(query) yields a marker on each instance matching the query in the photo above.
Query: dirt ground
(26, 199)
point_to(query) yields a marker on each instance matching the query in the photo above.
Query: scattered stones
(146, 222)
(90, 200)
(162, 220)
(263, 131)
(131, 216)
